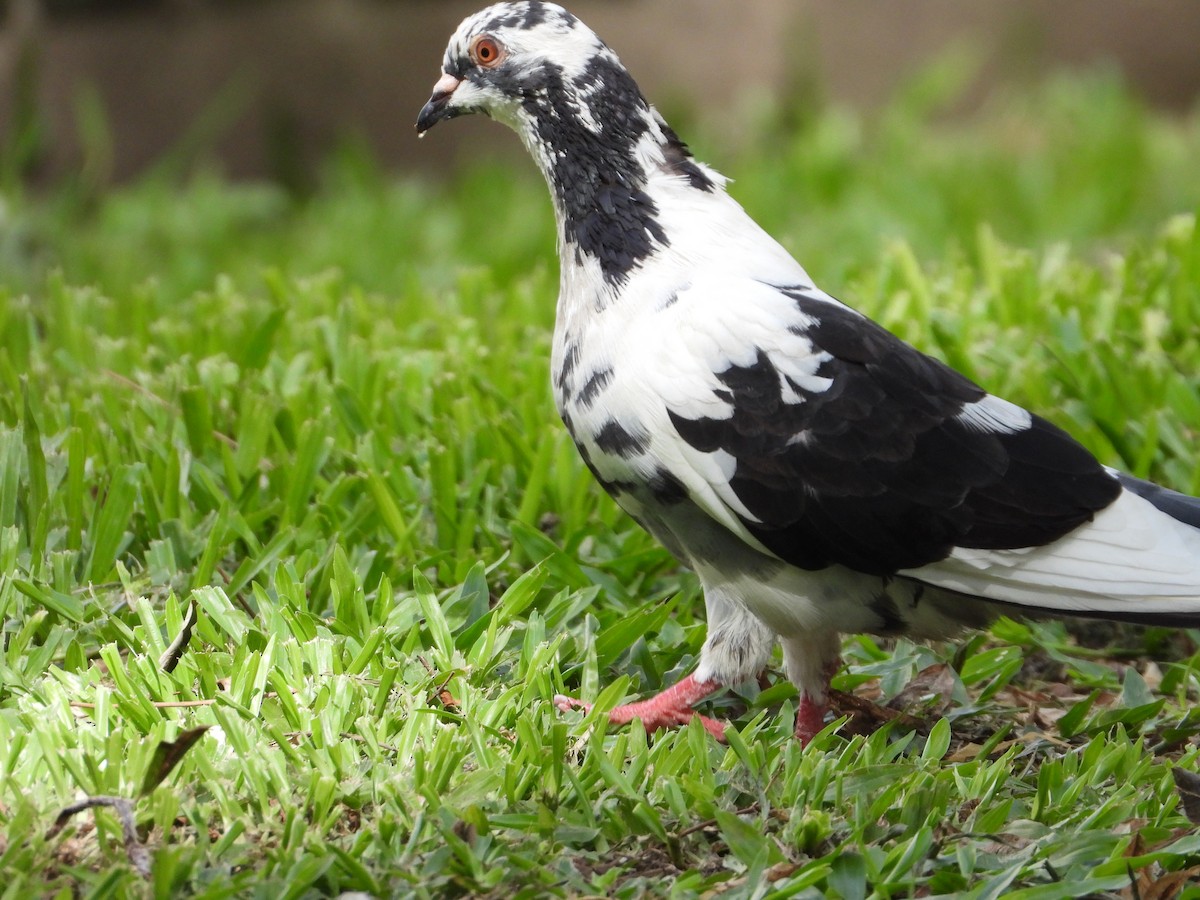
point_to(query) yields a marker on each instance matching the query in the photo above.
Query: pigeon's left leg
(736, 650)
(811, 661)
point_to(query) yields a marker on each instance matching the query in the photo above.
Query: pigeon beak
(438, 107)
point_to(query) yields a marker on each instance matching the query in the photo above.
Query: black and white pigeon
(818, 474)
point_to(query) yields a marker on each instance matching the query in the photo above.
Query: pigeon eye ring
(486, 52)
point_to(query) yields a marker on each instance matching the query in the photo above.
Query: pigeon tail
(1137, 560)
(1180, 507)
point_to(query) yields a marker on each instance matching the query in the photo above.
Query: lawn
(288, 470)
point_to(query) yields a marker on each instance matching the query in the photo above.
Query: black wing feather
(877, 473)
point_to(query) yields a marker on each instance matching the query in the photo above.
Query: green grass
(326, 426)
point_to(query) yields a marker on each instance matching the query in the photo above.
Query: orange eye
(486, 52)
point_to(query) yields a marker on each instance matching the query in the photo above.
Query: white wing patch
(668, 358)
(995, 414)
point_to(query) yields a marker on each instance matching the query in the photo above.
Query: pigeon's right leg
(668, 709)
(737, 649)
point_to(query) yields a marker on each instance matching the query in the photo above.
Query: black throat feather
(596, 178)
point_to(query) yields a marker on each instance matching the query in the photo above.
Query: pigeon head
(544, 73)
(504, 58)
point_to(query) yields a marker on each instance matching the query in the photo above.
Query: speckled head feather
(583, 118)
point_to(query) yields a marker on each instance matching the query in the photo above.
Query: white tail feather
(1132, 560)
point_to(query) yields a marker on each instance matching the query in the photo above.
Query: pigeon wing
(841, 444)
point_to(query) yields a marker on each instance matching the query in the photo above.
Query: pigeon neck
(598, 143)
(600, 201)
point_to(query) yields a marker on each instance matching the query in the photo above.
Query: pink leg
(666, 710)
(810, 714)
(810, 718)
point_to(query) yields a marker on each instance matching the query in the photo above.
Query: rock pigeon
(818, 474)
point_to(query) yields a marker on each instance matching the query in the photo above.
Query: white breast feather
(669, 359)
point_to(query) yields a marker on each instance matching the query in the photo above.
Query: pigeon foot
(810, 718)
(810, 713)
(670, 709)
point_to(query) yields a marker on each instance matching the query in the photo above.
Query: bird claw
(563, 703)
(670, 709)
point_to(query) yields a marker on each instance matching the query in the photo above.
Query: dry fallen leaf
(1188, 785)
(867, 717)
(968, 752)
(167, 756)
(929, 692)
